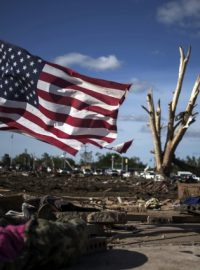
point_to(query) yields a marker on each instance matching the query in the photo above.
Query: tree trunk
(177, 124)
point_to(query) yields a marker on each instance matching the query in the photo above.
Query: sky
(128, 41)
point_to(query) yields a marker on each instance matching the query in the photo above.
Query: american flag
(55, 104)
(122, 147)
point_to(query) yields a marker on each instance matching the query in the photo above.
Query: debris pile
(89, 186)
(89, 214)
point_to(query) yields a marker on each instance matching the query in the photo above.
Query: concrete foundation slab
(143, 258)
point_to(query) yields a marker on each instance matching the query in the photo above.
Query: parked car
(126, 174)
(148, 175)
(112, 172)
(197, 178)
(87, 172)
(64, 171)
(98, 172)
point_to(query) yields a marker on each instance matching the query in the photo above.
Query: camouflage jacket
(50, 244)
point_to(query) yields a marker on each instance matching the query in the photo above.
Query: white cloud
(185, 13)
(140, 86)
(101, 63)
(134, 118)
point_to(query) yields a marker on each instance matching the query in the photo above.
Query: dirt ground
(164, 246)
(97, 186)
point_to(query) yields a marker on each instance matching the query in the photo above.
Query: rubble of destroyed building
(117, 209)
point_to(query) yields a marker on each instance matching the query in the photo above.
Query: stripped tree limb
(182, 68)
(145, 109)
(188, 112)
(154, 123)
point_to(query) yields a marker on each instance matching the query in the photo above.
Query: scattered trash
(152, 203)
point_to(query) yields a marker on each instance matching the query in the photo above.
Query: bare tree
(177, 123)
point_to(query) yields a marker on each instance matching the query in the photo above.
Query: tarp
(192, 200)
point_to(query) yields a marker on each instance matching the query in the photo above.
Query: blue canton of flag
(19, 74)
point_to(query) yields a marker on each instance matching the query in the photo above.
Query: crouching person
(41, 243)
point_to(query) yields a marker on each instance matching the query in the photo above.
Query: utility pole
(85, 154)
(112, 162)
(11, 148)
(64, 157)
(126, 164)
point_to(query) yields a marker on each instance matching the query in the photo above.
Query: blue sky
(127, 41)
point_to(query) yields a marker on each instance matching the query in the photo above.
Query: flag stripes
(65, 109)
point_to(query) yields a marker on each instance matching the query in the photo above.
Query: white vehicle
(159, 177)
(148, 175)
(87, 172)
(126, 174)
(184, 173)
(197, 178)
(98, 172)
(112, 172)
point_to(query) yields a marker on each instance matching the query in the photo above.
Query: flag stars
(19, 73)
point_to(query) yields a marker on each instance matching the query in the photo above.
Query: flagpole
(126, 166)
(112, 160)
(11, 149)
